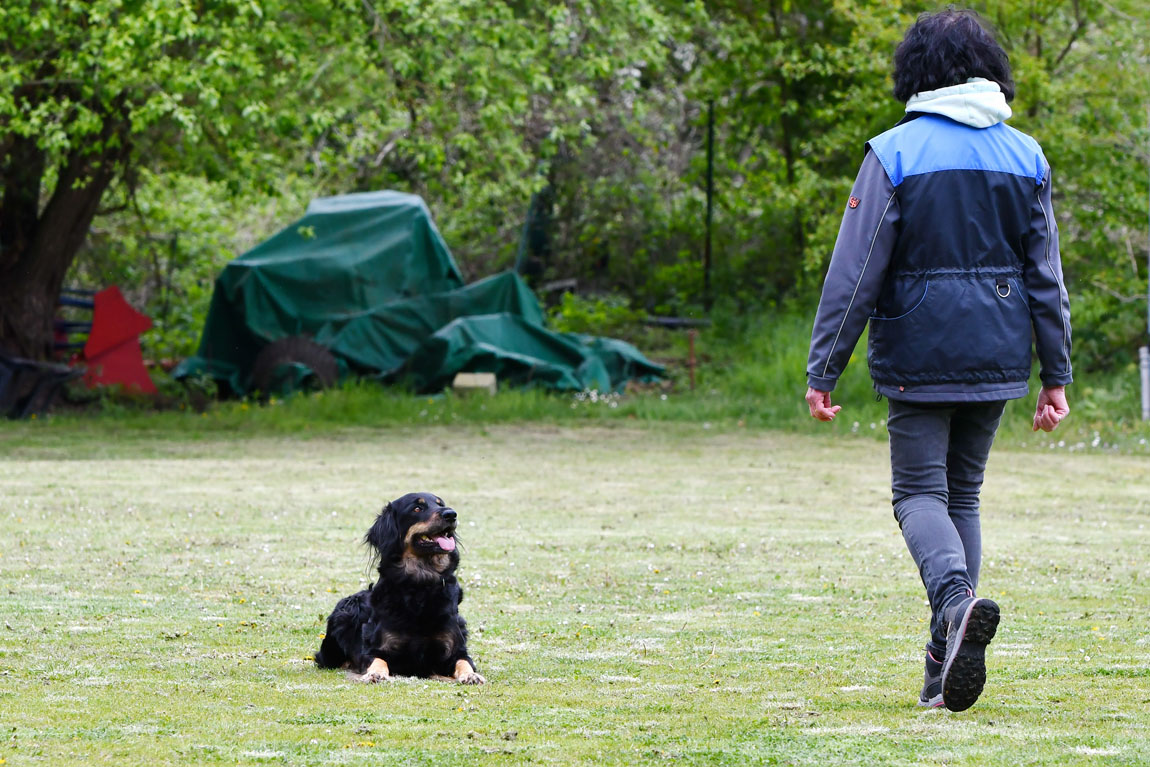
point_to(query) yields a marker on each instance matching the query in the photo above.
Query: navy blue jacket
(948, 246)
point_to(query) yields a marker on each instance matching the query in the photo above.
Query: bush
(599, 316)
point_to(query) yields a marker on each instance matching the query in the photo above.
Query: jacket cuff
(1056, 379)
(822, 384)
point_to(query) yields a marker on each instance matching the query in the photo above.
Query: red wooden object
(112, 352)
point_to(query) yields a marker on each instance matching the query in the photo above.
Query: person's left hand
(820, 404)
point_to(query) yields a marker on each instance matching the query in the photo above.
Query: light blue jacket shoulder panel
(932, 143)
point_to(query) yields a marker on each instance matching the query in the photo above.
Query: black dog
(407, 623)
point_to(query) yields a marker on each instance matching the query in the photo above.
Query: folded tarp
(522, 353)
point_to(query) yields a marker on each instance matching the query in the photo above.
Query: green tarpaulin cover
(369, 277)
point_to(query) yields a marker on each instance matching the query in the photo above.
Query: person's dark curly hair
(947, 48)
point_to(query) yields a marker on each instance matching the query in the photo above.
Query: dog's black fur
(409, 618)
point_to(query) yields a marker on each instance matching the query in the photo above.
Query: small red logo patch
(853, 202)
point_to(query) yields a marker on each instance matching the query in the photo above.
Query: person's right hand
(1051, 408)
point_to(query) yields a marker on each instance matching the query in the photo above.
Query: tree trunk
(37, 247)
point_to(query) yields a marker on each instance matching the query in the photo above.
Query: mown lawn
(646, 594)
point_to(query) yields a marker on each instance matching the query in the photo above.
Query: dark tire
(293, 349)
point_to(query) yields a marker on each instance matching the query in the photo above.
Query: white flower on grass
(1090, 751)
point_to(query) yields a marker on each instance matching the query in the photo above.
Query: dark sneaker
(970, 626)
(931, 695)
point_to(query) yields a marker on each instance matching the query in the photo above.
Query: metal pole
(710, 203)
(1144, 367)
(1144, 352)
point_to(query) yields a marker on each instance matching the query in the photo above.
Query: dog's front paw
(471, 677)
(376, 672)
(371, 677)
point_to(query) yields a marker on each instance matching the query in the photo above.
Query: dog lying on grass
(407, 623)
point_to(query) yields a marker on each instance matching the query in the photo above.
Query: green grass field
(638, 594)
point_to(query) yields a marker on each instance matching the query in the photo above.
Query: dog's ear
(384, 535)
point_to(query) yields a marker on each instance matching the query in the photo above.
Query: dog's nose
(448, 514)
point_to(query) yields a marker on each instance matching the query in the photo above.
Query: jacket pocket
(901, 297)
(964, 328)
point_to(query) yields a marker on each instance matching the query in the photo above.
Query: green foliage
(600, 316)
(219, 87)
(598, 108)
(479, 102)
(118, 108)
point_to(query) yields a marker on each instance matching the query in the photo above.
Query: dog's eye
(440, 501)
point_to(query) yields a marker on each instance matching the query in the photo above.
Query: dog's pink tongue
(445, 543)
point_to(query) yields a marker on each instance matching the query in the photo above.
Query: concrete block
(467, 383)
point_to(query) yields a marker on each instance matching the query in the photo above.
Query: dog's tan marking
(391, 642)
(465, 673)
(418, 567)
(439, 501)
(376, 672)
(447, 639)
(416, 530)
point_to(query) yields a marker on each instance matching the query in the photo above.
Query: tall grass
(755, 367)
(750, 374)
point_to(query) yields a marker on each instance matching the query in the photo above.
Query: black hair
(948, 48)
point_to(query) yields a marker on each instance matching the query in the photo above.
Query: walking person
(948, 246)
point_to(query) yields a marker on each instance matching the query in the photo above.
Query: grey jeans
(938, 456)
